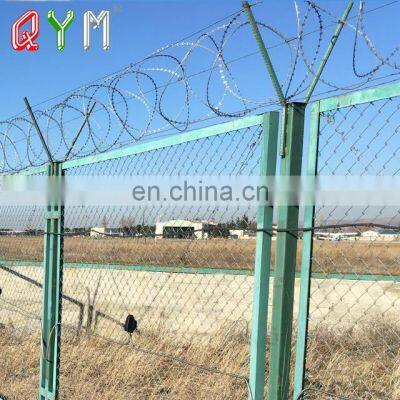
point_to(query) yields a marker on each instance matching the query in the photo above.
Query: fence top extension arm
(39, 132)
(43, 141)
(329, 49)
(268, 62)
(264, 53)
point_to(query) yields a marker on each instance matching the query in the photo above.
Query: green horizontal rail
(204, 270)
(354, 277)
(173, 140)
(29, 171)
(19, 263)
(360, 97)
(138, 268)
(180, 138)
(164, 269)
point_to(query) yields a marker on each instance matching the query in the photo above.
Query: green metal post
(262, 262)
(285, 266)
(307, 248)
(52, 287)
(264, 52)
(329, 49)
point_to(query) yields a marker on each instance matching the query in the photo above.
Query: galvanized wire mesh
(21, 273)
(204, 76)
(191, 296)
(354, 324)
(21, 278)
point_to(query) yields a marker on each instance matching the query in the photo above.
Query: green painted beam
(52, 290)
(163, 269)
(138, 268)
(285, 264)
(30, 171)
(173, 140)
(262, 263)
(360, 97)
(306, 258)
(202, 270)
(355, 277)
(39, 131)
(328, 51)
(46, 395)
(264, 53)
(21, 263)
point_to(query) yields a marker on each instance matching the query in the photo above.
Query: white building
(370, 234)
(236, 233)
(336, 236)
(101, 231)
(381, 234)
(183, 229)
(389, 234)
(241, 234)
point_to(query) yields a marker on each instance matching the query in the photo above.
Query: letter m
(90, 19)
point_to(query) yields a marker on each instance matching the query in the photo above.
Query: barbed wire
(161, 92)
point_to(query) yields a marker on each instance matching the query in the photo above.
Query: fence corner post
(306, 257)
(52, 285)
(262, 261)
(286, 252)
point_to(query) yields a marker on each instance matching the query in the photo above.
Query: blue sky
(137, 29)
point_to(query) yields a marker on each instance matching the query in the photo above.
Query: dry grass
(344, 363)
(361, 362)
(343, 257)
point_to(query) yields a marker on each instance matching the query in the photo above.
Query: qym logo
(23, 39)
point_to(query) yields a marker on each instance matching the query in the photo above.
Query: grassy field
(361, 362)
(342, 363)
(343, 256)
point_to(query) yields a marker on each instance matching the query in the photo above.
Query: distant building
(183, 229)
(101, 231)
(15, 232)
(336, 236)
(370, 234)
(381, 234)
(97, 231)
(236, 233)
(389, 234)
(241, 234)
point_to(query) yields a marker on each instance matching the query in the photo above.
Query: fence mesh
(193, 321)
(192, 295)
(21, 277)
(354, 324)
(190, 289)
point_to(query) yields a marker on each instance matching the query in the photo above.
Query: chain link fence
(354, 324)
(191, 296)
(159, 301)
(21, 284)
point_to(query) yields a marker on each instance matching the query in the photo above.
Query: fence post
(285, 265)
(306, 257)
(262, 262)
(52, 286)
